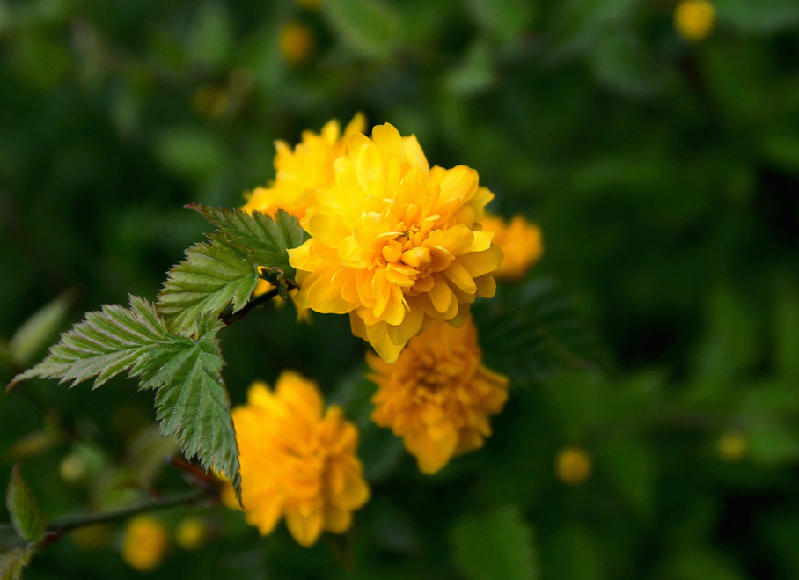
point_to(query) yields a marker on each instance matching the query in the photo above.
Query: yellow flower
(394, 243)
(300, 172)
(438, 395)
(296, 42)
(297, 461)
(572, 465)
(520, 242)
(191, 533)
(694, 19)
(145, 543)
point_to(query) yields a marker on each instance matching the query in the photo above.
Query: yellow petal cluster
(395, 243)
(694, 19)
(520, 242)
(297, 460)
(299, 173)
(296, 42)
(145, 543)
(438, 395)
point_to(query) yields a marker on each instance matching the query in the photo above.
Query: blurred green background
(662, 170)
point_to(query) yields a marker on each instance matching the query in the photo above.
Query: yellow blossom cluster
(299, 173)
(297, 460)
(395, 244)
(438, 395)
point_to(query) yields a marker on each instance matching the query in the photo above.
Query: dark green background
(664, 175)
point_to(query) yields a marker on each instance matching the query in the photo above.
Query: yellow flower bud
(694, 19)
(191, 533)
(73, 468)
(145, 543)
(296, 42)
(732, 446)
(572, 465)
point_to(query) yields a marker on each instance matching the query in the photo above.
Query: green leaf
(786, 321)
(760, 16)
(26, 518)
(212, 276)
(14, 561)
(211, 35)
(630, 465)
(370, 28)
(192, 402)
(495, 545)
(106, 343)
(191, 152)
(534, 331)
(37, 332)
(264, 240)
(507, 19)
(191, 399)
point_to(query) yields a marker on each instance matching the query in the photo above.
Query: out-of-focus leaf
(495, 545)
(211, 35)
(534, 331)
(773, 445)
(630, 465)
(572, 554)
(191, 152)
(761, 16)
(26, 518)
(782, 149)
(621, 63)
(786, 323)
(38, 331)
(147, 453)
(577, 23)
(13, 562)
(507, 19)
(212, 276)
(474, 74)
(701, 565)
(371, 28)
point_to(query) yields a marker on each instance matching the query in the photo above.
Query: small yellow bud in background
(694, 19)
(572, 465)
(191, 533)
(296, 42)
(732, 446)
(73, 468)
(145, 543)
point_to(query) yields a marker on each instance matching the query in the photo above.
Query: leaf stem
(263, 298)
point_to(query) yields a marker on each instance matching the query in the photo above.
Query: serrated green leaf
(105, 344)
(212, 276)
(13, 562)
(37, 332)
(264, 240)
(26, 518)
(534, 331)
(496, 545)
(191, 399)
(192, 403)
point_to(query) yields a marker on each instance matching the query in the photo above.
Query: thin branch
(263, 298)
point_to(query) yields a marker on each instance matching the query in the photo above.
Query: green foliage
(371, 28)
(191, 399)
(533, 331)
(37, 332)
(26, 518)
(213, 276)
(13, 562)
(495, 545)
(264, 240)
